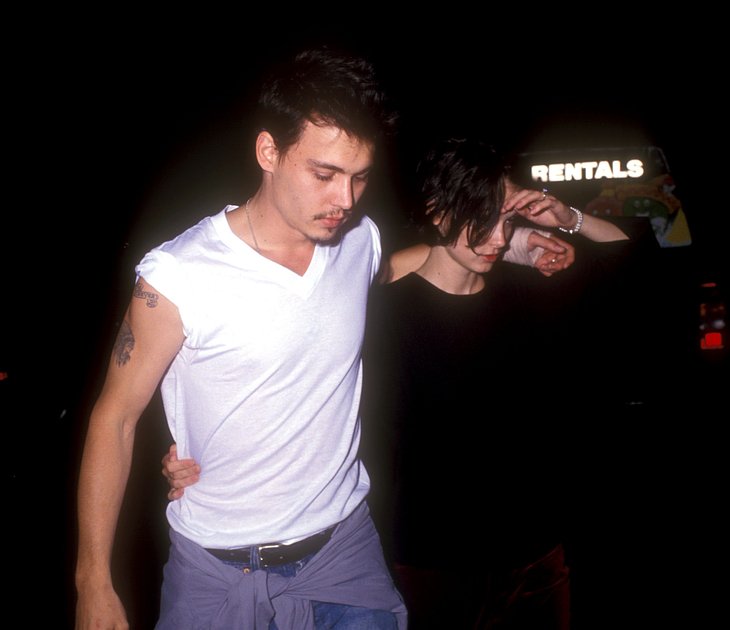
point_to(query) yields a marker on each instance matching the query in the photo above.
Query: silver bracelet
(578, 224)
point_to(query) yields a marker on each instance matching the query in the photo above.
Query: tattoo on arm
(151, 298)
(124, 344)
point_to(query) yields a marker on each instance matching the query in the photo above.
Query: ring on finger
(544, 194)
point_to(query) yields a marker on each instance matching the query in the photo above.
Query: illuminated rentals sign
(570, 171)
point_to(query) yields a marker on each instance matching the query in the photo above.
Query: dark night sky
(125, 132)
(108, 116)
(123, 129)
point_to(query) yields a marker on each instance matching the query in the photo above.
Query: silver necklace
(250, 227)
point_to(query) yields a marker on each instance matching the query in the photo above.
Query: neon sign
(573, 171)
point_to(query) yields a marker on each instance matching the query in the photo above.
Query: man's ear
(267, 155)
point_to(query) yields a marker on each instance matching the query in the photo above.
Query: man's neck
(263, 230)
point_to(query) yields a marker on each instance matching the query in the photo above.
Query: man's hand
(98, 607)
(552, 253)
(180, 473)
(539, 249)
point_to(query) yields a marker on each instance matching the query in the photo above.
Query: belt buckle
(261, 552)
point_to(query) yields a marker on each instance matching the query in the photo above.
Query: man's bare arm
(148, 339)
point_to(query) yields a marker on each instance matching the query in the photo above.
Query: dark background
(123, 129)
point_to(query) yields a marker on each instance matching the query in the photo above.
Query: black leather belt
(275, 554)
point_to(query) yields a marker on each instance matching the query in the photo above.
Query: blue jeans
(327, 616)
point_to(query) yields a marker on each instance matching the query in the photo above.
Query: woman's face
(481, 259)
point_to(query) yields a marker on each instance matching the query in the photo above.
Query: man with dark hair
(252, 321)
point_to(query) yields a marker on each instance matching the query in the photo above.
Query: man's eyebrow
(333, 167)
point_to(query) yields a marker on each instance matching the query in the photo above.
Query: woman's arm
(545, 210)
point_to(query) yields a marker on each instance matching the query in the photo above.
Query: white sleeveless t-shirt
(264, 393)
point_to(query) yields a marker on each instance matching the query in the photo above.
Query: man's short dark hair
(324, 87)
